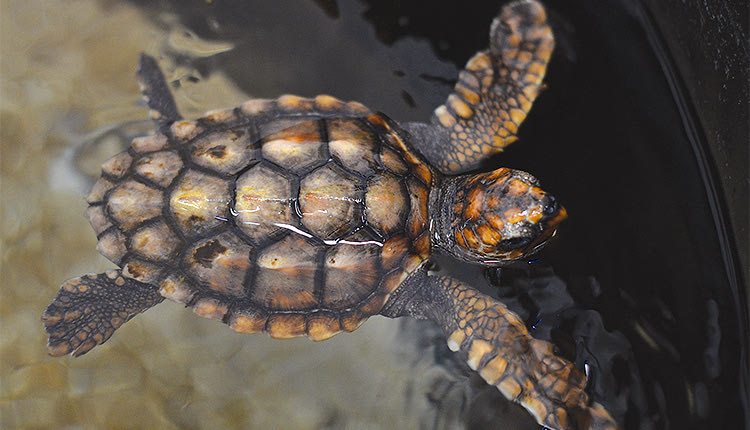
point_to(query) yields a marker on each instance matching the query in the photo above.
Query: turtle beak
(554, 214)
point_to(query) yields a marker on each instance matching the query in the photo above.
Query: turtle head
(497, 217)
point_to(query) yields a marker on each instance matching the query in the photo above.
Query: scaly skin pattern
(496, 343)
(88, 309)
(495, 92)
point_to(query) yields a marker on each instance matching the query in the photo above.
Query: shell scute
(199, 202)
(328, 200)
(285, 271)
(132, 202)
(386, 203)
(156, 242)
(353, 145)
(227, 151)
(354, 255)
(118, 165)
(159, 167)
(263, 201)
(296, 147)
(286, 326)
(220, 263)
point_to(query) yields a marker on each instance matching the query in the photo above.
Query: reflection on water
(634, 296)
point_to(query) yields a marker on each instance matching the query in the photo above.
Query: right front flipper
(495, 343)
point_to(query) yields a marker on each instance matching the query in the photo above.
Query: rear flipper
(496, 343)
(156, 93)
(88, 309)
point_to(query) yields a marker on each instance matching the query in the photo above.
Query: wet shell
(292, 216)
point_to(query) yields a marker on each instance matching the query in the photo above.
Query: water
(635, 283)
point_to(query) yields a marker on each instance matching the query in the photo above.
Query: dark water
(637, 284)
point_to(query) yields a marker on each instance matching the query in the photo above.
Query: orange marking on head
(470, 237)
(460, 239)
(537, 193)
(487, 81)
(531, 78)
(488, 235)
(514, 215)
(524, 102)
(480, 61)
(495, 221)
(517, 188)
(476, 202)
(544, 51)
(534, 214)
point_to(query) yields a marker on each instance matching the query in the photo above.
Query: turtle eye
(550, 206)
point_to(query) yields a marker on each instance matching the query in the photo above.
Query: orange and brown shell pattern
(292, 216)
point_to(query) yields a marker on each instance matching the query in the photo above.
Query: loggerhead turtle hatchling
(304, 217)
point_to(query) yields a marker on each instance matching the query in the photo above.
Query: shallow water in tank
(633, 288)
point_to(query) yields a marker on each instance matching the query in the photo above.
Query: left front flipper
(493, 95)
(495, 342)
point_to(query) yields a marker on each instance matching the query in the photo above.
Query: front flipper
(493, 94)
(495, 343)
(88, 309)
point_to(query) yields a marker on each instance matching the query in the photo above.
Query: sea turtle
(305, 216)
